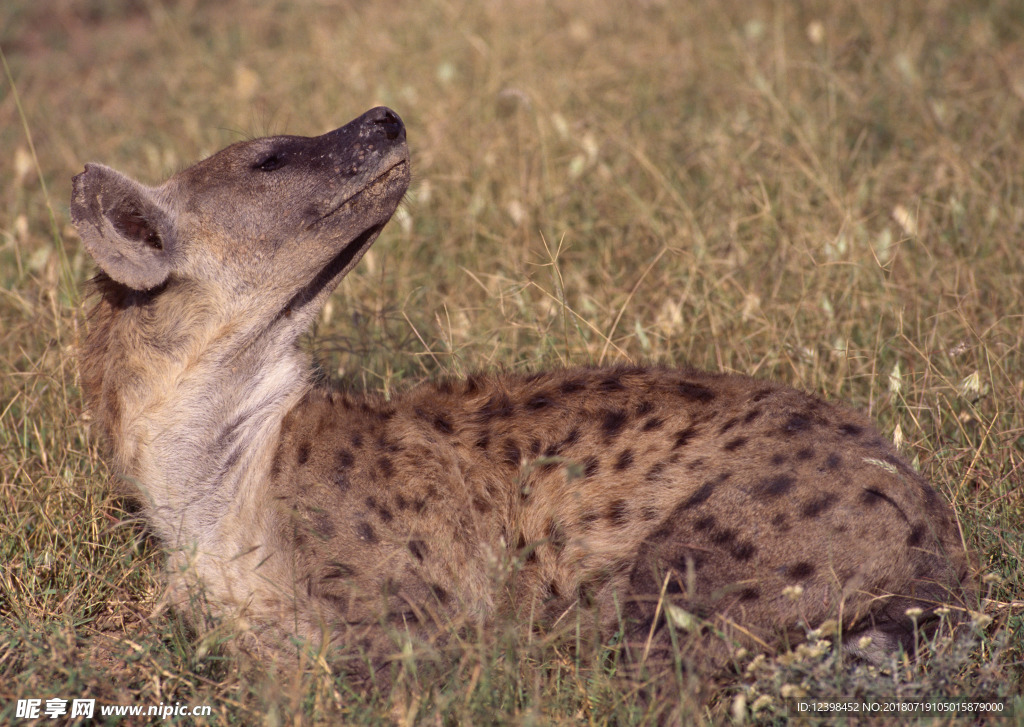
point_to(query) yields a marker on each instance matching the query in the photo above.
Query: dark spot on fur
(612, 422)
(440, 593)
(400, 502)
(556, 536)
(704, 491)
(805, 453)
(778, 459)
(610, 383)
(571, 386)
(818, 505)
(511, 452)
(445, 386)
(775, 486)
(625, 460)
(655, 472)
(365, 532)
(695, 392)
(338, 570)
(340, 480)
(734, 444)
(930, 495)
(418, 548)
(833, 461)
(800, 571)
(344, 459)
(743, 551)
(644, 407)
(650, 513)
(481, 505)
(683, 436)
(442, 424)
(303, 455)
(916, 535)
(698, 463)
(383, 512)
(652, 424)
(617, 513)
(357, 440)
(871, 498)
(751, 415)
(590, 466)
(780, 522)
(386, 468)
(572, 438)
(723, 536)
(275, 466)
(539, 401)
(534, 446)
(323, 526)
(796, 423)
(749, 594)
(850, 430)
(497, 407)
(482, 442)
(729, 424)
(702, 494)
(707, 522)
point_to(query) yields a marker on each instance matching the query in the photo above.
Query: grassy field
(830, 194)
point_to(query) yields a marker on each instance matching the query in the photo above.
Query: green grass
(829, 194)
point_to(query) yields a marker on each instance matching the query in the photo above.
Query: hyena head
(206, 283)
(272, 224)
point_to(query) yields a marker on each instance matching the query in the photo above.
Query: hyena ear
(124, 227)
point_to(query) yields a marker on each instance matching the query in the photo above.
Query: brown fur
(316, 513)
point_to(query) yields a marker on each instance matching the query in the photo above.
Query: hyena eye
(270, 163)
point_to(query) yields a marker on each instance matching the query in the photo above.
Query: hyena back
(317, 513)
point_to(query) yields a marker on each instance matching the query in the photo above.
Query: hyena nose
(387, 121)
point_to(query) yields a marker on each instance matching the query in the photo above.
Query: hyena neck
(189, 402)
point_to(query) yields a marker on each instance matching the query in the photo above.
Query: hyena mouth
(392, 179)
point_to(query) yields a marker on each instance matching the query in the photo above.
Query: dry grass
(830, 194)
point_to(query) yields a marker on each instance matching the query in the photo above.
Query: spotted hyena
(307, 511)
